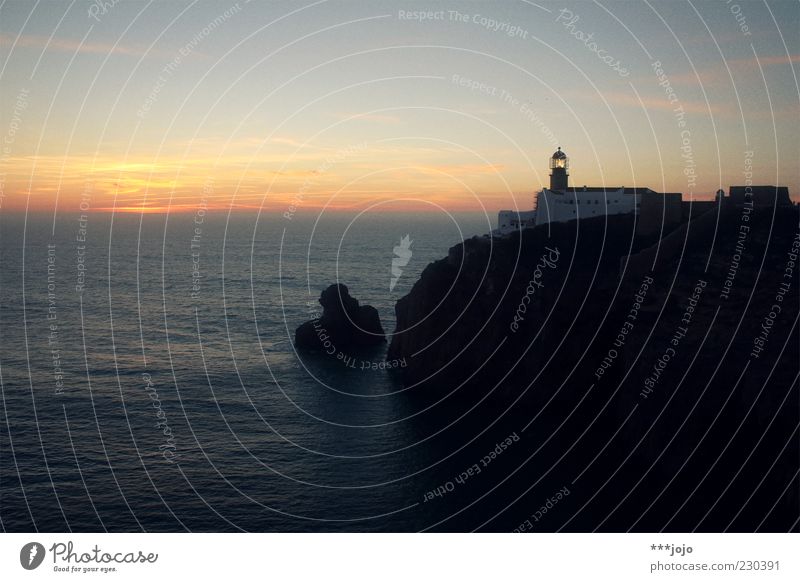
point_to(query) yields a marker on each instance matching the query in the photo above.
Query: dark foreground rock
(656, 379)
(343, 324)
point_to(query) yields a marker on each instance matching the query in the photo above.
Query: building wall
(759, 195)
(553, 206)
(658, 213)
(509, 221)
(667, 247)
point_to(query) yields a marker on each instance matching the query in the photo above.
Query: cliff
(458, 322)
(683, 351)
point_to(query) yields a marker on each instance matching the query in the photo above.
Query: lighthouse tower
(559, 171)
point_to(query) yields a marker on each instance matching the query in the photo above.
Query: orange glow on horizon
(299, 181)
(241, 180)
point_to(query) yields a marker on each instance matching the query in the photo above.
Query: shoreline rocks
(344, 324)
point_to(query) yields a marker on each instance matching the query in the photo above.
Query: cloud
(374, 117)
(766, 60)
(460, 169)
(740, 69)
(658, 103)
(67, 45)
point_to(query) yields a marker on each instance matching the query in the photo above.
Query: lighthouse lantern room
(559, 171)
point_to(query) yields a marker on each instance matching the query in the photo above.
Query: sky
(291, 107)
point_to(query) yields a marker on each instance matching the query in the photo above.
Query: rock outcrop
(343, 324)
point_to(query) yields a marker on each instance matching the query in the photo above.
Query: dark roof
(559, 155)
(637, 190)
(760, 195)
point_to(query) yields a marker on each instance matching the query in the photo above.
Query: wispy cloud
(766, 60)
(373, 117)
(650, 103)
(740, 69)
(460, 169)
(68, 45)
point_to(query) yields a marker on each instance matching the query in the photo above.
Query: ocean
(150, 383)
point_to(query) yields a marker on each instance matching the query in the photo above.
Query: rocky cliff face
(557, 297)
(633, 364)
(505, 304)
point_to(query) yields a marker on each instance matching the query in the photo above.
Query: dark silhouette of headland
(653, 372)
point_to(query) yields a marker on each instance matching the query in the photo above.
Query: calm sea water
(149, 380)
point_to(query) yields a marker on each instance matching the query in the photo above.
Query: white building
(560, 202)
(511, 220)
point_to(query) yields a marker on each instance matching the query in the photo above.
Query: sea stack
(343, 324)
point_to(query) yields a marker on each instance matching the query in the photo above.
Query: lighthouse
(559, 171)
(561, 203)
